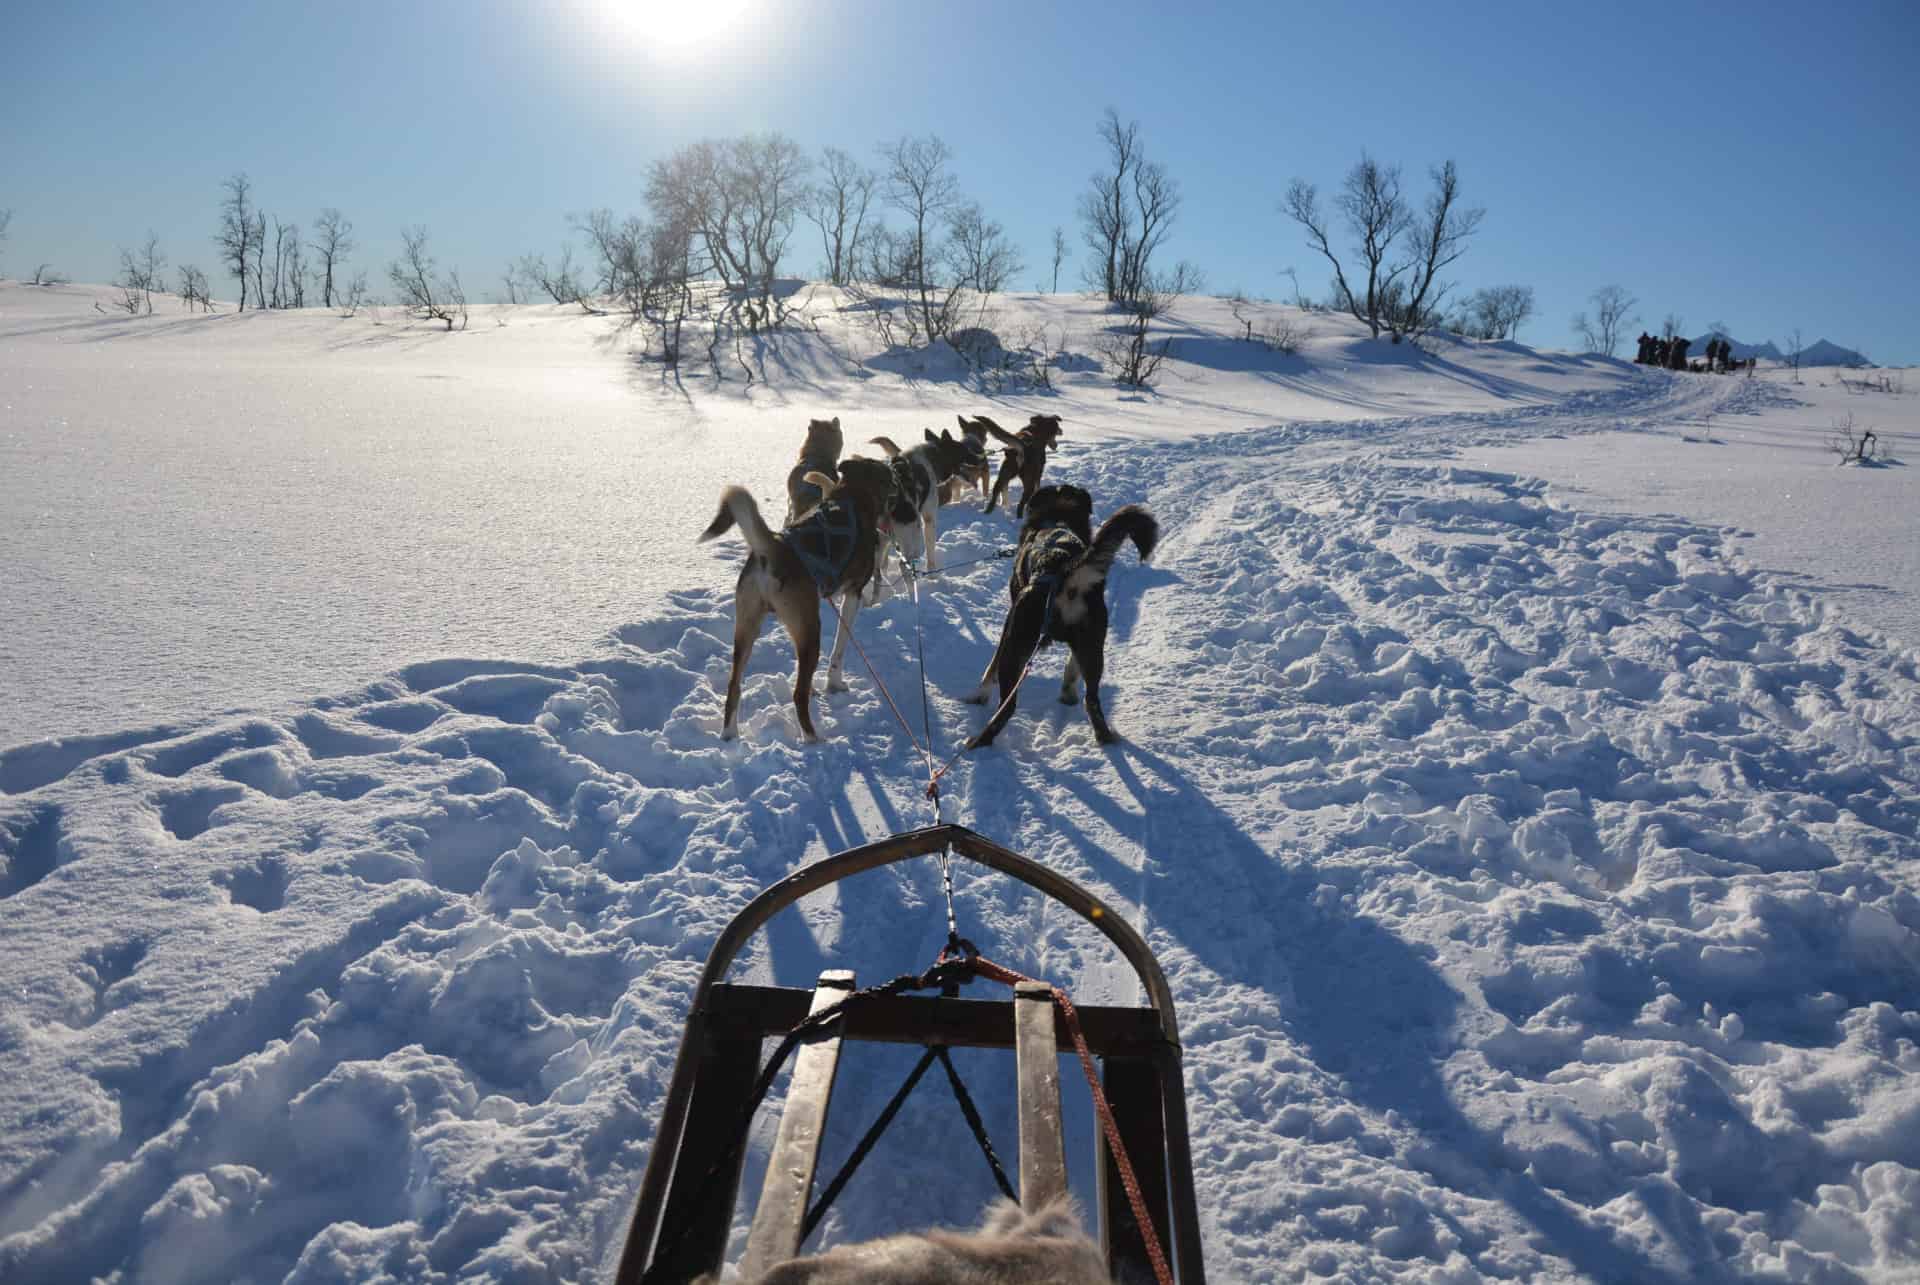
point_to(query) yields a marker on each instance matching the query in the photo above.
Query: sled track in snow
(1465, 825)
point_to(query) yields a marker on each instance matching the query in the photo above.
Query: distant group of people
(1668, 354)
(1671, 354)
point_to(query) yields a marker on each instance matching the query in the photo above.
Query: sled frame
(719, 1060)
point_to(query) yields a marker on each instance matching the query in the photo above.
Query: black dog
(1059, 592)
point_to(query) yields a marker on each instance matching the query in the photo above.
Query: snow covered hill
(1537, 883)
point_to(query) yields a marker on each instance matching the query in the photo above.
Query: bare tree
(921, 185)
(1610, 320)
(1852, 444)
(1128, 348)
(1376, 215)
(140, 272)
(1103, 207)
(422, 290)
(1126, 212)
(6, 218)
(354, 295)
(287, 286)
(237, 229)
(977, 254)
(1796, 344)
(1496, 312)
(741, 196)
(193, 288)
(838, 205)
(1060, 252)
(557, 283)
(47, 275)
(1436, 240)
(333, 242)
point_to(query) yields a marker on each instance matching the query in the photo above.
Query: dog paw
(978, 696)
(837, 684)
(979, 742)
(1069, 698)
(1108, 737)
(729, 732)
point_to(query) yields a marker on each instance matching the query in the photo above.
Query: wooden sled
(715, 1075)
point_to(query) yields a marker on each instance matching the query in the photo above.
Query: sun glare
(678, 26)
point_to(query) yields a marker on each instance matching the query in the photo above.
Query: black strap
(932, 979)
(885, 1118)
(972, 1113)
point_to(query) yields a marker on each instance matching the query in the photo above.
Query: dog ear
(835, 421)
(930, 436)
(821, 480)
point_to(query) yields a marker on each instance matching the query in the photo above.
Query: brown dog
(820, 453)
(830, 551)
(1026, 459)
(974, 472)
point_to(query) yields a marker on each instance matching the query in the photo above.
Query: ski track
(1360, 685)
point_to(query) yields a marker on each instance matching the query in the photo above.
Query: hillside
(1536, 877)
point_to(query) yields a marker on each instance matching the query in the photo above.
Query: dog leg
(929, 529)
(849, 609)
(1092, 658)
(1070, 681)
(1018, 641)
(1007, 470)
(800, 613)
(749, 611)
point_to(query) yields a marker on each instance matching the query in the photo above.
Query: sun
(676, 26)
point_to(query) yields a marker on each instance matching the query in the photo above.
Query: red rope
(875, 675)
(1006, 976)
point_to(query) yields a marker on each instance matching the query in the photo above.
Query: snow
(1533, 867)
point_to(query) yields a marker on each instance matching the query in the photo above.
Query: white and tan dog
(918, 475)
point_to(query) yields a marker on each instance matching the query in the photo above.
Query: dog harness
(824, 541)
(909, 489)
(1049, 557)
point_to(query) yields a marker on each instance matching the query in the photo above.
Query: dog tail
(737, 508)
(1130, 523)
(999, 434)
(887, 444)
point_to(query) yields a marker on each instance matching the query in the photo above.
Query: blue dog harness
(824, 541)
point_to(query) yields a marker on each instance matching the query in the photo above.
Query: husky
(1025, 457)
(919, 474)
(1059, 594)
(1012, 1247)
(830, 552)
(974, 473)
(820, 453)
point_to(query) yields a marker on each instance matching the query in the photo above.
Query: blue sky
(1752, 163)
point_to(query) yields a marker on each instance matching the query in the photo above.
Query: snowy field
(1534, 866)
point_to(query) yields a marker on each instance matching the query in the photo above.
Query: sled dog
(830, 552)
(1059, 594)
(918, 476)
(820, 453)
(1025, 458)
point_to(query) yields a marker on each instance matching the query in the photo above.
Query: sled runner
(684, 1210)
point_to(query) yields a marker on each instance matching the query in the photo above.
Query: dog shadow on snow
(1363, 1005)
